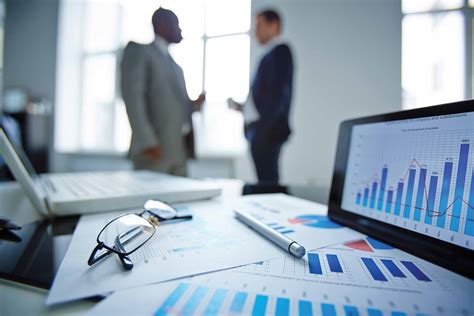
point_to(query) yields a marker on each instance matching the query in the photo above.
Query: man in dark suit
(266, 112)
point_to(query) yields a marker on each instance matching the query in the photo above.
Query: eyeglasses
(127, 233)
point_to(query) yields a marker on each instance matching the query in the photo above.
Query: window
(214, 55)
(434, 52)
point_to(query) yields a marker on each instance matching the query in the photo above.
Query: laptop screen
(417, 174)
(23, 158)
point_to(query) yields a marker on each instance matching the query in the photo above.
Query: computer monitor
(407, 178)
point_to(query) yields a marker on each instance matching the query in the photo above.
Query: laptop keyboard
(100, 184)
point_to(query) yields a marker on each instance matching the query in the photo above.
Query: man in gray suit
(158, 106)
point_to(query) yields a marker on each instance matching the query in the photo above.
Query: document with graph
(213, 240)
(298, 219)
(417, 174)
(363, 277)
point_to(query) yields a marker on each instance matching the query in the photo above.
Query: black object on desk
(6, 224)
(27, 254)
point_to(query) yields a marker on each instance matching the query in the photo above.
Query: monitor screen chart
(417, 174)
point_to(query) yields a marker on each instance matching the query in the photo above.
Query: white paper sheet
(213, 240)
(301, 220)
(285, 286)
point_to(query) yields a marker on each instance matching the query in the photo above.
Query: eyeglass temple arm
(189, 216)
(126, 262)
(93, 259)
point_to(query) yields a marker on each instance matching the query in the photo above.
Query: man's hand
(234, 105)
(153, 153)
(197, 104)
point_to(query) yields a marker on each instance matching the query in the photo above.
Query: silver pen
(278, 238)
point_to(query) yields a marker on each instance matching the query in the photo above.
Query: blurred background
(59, 63)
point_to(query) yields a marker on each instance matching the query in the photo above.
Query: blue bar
(374, 269)
(409, 197)
(417, 273)
(282, 307)
(238, 303)
(388, 206)
(373, 194)
(469, 227)
(287, 231)
(392, 267)
(328, 310)
(374, 312)
(398, 314)
(279, 228)
(366, 196)
(443, 203)
(334, 264)
(358, 198)
(420, 194)
(314, 264)
(260, 305)
(305, 308)
(431, 200)
(172, 299)
(351, 310)
(216, 302)
(194, 301)
(459, 190)
(382, 188)
(398, 202)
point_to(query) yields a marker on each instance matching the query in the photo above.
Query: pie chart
(315, 221)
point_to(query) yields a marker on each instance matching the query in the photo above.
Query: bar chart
(373, 267)
(385, 281)
(417, 176)
(369, 267)
(199, 299)
(423, 198)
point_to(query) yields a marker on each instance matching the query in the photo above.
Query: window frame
(85, 55)
(467, 13)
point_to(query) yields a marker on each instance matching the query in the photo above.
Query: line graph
(417, 174)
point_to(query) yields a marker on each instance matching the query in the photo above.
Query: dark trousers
(266, 154)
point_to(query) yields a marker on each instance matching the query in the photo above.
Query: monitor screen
(417, 174)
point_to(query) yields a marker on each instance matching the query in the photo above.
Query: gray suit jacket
(157, 103)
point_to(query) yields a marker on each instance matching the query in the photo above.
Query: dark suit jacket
(271, 91)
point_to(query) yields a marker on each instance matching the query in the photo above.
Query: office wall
(30, 46)
(348, 64)
(30, 53)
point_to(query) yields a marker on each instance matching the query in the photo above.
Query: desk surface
(18, 299)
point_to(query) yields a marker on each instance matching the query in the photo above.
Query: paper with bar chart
(301, 220)
(363, 277)
(207, 243)
(417, 174)
(365, 263)
(213, 240)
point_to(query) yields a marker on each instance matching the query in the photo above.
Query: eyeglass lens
(161, 209)
(127, 233)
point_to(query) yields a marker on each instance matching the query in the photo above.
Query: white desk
(17, 299)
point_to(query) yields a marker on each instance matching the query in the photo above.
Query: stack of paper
(356, 278)
(214, 240)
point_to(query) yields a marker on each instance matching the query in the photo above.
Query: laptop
(87, 192)
(407, 178)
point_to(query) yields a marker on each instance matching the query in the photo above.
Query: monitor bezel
(450, 256)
